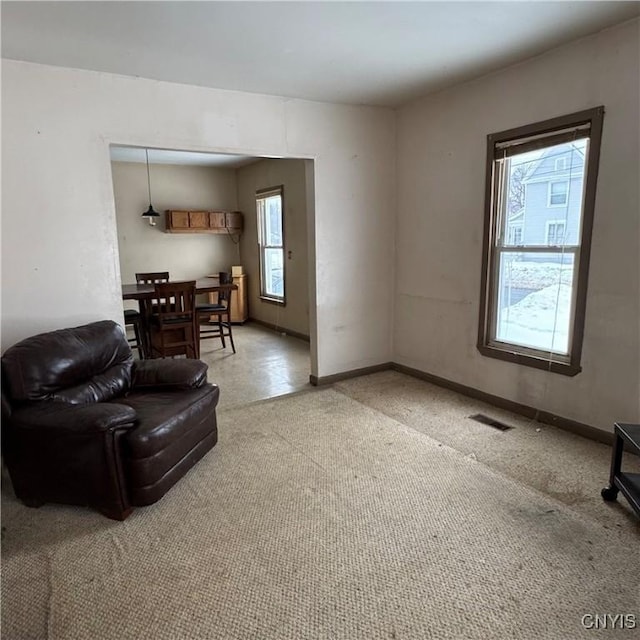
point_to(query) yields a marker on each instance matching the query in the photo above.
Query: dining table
(144, 293)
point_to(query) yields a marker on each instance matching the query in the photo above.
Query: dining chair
(217, 317)
(152, 277)
(173, 321)
(148, 307)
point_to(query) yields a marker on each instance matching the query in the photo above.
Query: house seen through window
(271, 244)
(539, 211)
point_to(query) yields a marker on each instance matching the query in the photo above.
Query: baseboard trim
(546, 417)
(278, 329)
(566, 424)
(354, 373)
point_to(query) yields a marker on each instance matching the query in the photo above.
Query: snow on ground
(536, 275)
(540, 320)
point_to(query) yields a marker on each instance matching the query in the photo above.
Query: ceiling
(375, 53)
(166, 156)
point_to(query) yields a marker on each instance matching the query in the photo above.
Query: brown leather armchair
(85, 424)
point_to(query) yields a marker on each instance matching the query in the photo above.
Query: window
(558, 194)
(271, 244)
(515, 234)
(534, 281)
(560, 164)
(555, 232)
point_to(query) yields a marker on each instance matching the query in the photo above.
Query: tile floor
(266, 364)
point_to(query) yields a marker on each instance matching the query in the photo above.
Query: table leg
(145, 322)
(610, 493)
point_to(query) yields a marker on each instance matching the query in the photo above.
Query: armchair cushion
(174, 429)
(169, 374)
(165, 417)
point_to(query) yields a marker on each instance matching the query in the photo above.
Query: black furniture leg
(221, 329)
(233, 346)
(610, 493)
(138, 334)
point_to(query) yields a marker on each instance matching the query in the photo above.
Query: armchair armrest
(169, 374)
(69, 453)
(73, 418)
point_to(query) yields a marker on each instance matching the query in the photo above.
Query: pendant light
(150, 214)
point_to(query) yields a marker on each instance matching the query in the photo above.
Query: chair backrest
(175, 319)
(224, 294)
(176, 301)
(91, 363)
(152, 277)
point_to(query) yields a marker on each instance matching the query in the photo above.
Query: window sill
(537, 362)
(279, 301)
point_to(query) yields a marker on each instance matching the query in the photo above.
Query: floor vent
(496, 424)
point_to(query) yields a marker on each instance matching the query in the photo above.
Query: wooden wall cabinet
(233, 220)
(177, 220)
(217, 219)
(203, 221)
(199, 220)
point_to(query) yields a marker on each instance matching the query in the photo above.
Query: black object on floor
(628, 483)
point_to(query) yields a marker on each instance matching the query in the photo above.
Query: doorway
(274, 344)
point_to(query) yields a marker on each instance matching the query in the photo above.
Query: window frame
(529, 135)
(263, 194)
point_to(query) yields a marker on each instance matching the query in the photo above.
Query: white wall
(59, 241)
(441, 171)
(185, 256)
(294, 316)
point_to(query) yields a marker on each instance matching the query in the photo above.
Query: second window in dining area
(269, 206)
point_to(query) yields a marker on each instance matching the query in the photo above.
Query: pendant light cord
(146, 151)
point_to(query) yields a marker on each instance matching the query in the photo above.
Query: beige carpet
(557, 463)
(318, 517)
